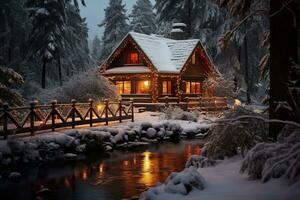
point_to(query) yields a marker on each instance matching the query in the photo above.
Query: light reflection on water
(123, 175)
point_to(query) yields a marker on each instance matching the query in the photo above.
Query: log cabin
(151, 67)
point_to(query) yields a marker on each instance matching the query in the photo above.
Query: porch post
(154, 87)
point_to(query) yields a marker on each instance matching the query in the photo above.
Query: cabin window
(194, 58)
(142, 87)
(167, 87)
(123, 87)
(133, 58)
(192, 87)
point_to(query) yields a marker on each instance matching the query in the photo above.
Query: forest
(80, 135)
(47, 42)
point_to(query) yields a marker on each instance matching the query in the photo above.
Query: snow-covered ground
(224, 182)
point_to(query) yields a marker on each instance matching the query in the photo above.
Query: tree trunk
(59, 70)
(44, 73)
(283, 40)
(247, 68)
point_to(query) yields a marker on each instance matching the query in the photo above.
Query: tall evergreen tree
(76, 56)
(115, 24)
(96, 49)
(47, 36)
(143, 17)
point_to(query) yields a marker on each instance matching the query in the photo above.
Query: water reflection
(123, 175)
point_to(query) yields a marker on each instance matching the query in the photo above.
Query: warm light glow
(192, 87)
(237, 103)
(146, 161)
(142, 87)
(126, 163)
(147, 176)
(123, 87)
(146, 83)
(101, 168)
(84, 175)
(134, 58)
(99, 107)
(41, 123)
(167, 87)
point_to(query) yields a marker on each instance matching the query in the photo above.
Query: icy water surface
(122, 175)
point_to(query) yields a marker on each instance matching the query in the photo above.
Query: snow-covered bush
(179, 114)
(81, 87)
(231, 138)
(8, 79)
(200, 162)
(222, 85)
(177, 183)
(275, 160)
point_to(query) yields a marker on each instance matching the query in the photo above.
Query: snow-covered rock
(177, 183)
(151, 133)
(14, 175)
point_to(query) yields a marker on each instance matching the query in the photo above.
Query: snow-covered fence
(190, 103)
(15, 120)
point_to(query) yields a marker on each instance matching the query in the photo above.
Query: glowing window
(194, 58)
(133, 58)
(192, 87)
(142, 87)
(167, 87)
(123, 87)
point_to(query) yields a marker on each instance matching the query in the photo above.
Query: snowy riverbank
(77, 143)
(222, 181)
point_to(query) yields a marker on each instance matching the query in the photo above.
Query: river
(122, 175)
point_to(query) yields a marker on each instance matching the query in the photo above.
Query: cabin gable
(198, 64)
(128, 53)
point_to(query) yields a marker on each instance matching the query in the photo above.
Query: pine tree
(47, 38)
(8, 79)
(115, 24)
(76, 56)
(96, 49)
(143, 17)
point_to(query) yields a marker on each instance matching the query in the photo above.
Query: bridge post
(132, 109)
(53, 108)
(32, 117)
(73, 101)
(106, 111)
(120, 110)
(91, 101)
(5, 120)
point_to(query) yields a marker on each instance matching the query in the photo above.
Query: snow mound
(181, 183)
(200, 162)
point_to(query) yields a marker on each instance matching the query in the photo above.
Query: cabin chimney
(178, 31)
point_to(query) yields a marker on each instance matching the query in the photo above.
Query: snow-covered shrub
(222, 85)
(231, 138)
(200, 162)
(275, 160)
(81, 87)
(177, 183)
(8, 79)
(179, 114)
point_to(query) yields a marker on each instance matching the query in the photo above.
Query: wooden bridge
(33, 118)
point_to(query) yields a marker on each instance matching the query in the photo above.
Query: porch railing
(35, 117)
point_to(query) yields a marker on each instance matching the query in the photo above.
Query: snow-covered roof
(167, 55)
(178, 24)
(128, 70)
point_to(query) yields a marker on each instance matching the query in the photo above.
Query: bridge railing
(36, 117)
